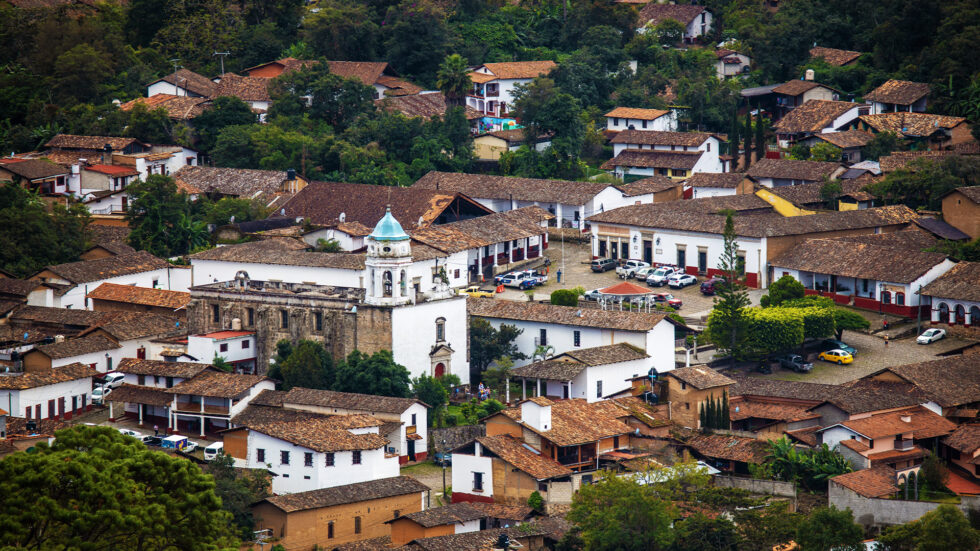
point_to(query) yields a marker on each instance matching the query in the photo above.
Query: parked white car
(931, 335)
(679, 280)
(134, 433)
(114, 380)
(211, 452)
(99, 394)
(660, 275)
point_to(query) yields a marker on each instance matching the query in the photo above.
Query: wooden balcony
(195, 407)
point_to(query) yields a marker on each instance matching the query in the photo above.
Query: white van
(114, 380)
(211, 452)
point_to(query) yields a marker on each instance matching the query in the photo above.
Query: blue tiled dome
(388, 229)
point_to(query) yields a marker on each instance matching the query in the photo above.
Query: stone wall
(454, 436)
(887, 512)
(768, 487)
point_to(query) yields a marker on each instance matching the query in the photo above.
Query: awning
(413, 436)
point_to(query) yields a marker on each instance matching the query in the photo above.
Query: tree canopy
(33, 237)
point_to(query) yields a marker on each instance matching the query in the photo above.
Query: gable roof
(922, 423)
(286, 252)
(833, 56)
(143, 296)
(846, 139)
(970, 192)
(217, 384)
(486, 186)
(567, 366)
(33, 169)
(243, 88)
(900, 92)
(701, 377)
(564, 315)
(911, 124)
(177, 107)
(24, 381)
(905, 160)
(59, 316)
(655, 137)
(813, 116)
(159, 368)
(241, 182)
(125, 326)
(647, 158)
(520, 69)
(860, 260)
(965, 439)
(729, 448)
(576, 421)
(189, 80)
(654, 13)
(348, 400)
(515, 452)
(421, 105)
(326, 433)
(809, 194)
(650, 184)
(933, 378)
(729, 180)
(18, 287)
(76, 347)
(637, 113)
(454, 513)
(324, 202)
(350, 493)
(86, 271)
(485, 230)
(797, 87)
(960, 283)
(791, 169)
(871, 483)
(72, 141)
(368, 72)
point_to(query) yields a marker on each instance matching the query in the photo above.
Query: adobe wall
(757, 486)
(887, 512)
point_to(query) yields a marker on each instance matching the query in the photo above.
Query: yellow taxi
(836, 356)
(476, 292)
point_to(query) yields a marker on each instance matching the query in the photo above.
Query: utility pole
(176, 89)
(221, 56)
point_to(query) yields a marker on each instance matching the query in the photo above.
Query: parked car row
(172, 442)
(524, 279)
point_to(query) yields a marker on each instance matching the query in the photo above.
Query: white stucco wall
(463, 468)
(172, 278)
(413, 336)
(663, 123)
(16, 402)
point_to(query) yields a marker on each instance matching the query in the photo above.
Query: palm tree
(453, 80)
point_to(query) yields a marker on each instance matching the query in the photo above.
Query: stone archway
(959, 314)
(439, 370)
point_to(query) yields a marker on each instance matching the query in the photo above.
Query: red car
(668, 299)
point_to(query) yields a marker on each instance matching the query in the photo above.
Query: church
(397, 295)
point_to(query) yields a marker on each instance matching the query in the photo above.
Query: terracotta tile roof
(972, 192)
(177, 107)
(806, 436)
(576, 421)
(481, 540)
(913, 125)
(329, 433)
(900, 92)
(516, 136)
(809, 194)
(189, 80)
(237, 182)
(637, 113)
(348, 400)
(728, 180)
(654, 137)
(243, 88)
(281, 251)
(965, 439)
(112, 170)
(813, 116)
(514, 451)
(654, 13)
(792, 169)
(563, 315)
(871, 483)
(846, 139)
(922, 423)
(485, 186)
(797, 87)
(484, 230)
(140, 295)
(24, 381)
(33, 169)
(86, 271)
(861, 260)
(71, 141)
(77, 346)
(61, 316)
(134, 394)
(833, 56)
(568, 365)
(18, 287)
(158, 368)
(701, 377)
(892, 457)
(125, 326)
(287, 63)
(257, 415)
(323, 202)
(101, 235)
(398, 87)
(421, 105)
(630, 406)
(351, 493)
(933, 379)
(368, 72)
(454, 513)
(501, 511)
(729, 448)
(217, 384)
(646, 158)
(960, 283)
(904, 160)
(652, 184)
(759, 409)
(481, 78)
(909, 238)
(520, 69)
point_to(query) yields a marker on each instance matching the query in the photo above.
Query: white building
(706, 184)
(183, 82)
(315, 452)
(731, 64)
(235, 347)
(98, 352)
(815, 116)
(898, 95)
(493, 85)
(210, 399)
(695, 19)
(140, 268)
(143, 393)
(563, 329)
(47, 394)
(771, 173)
(650, 140)
(955, 295)
(630, 118)
(589, 373)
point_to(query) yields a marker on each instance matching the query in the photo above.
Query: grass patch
(421, 469)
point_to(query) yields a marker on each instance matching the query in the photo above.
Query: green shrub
(564, 297)
(535, 501)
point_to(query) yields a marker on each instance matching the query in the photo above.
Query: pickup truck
(519, 276)
(521, 281)
(539, 278)
(629, 268)
(794, 362)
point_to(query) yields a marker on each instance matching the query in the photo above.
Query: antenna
(221, 56)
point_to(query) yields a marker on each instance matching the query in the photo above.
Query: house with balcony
(814, 118)
(707, 144)
(632, 118)
(207, 402)
(592, 374)
(38, 175)
(955, 296)
(493, 86)
(143, 395)
(899, 95)
(962, 448)
(895, 439)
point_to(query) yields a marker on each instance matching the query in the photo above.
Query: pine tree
(734, 136)
(703, 413)
(748, 139)
(726, 419)
(727, 323)
(760, 138)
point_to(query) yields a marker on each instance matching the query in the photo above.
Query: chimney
(809, 75)
(536, 412)
(236, 324)
(59, 338)
(107, 154)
